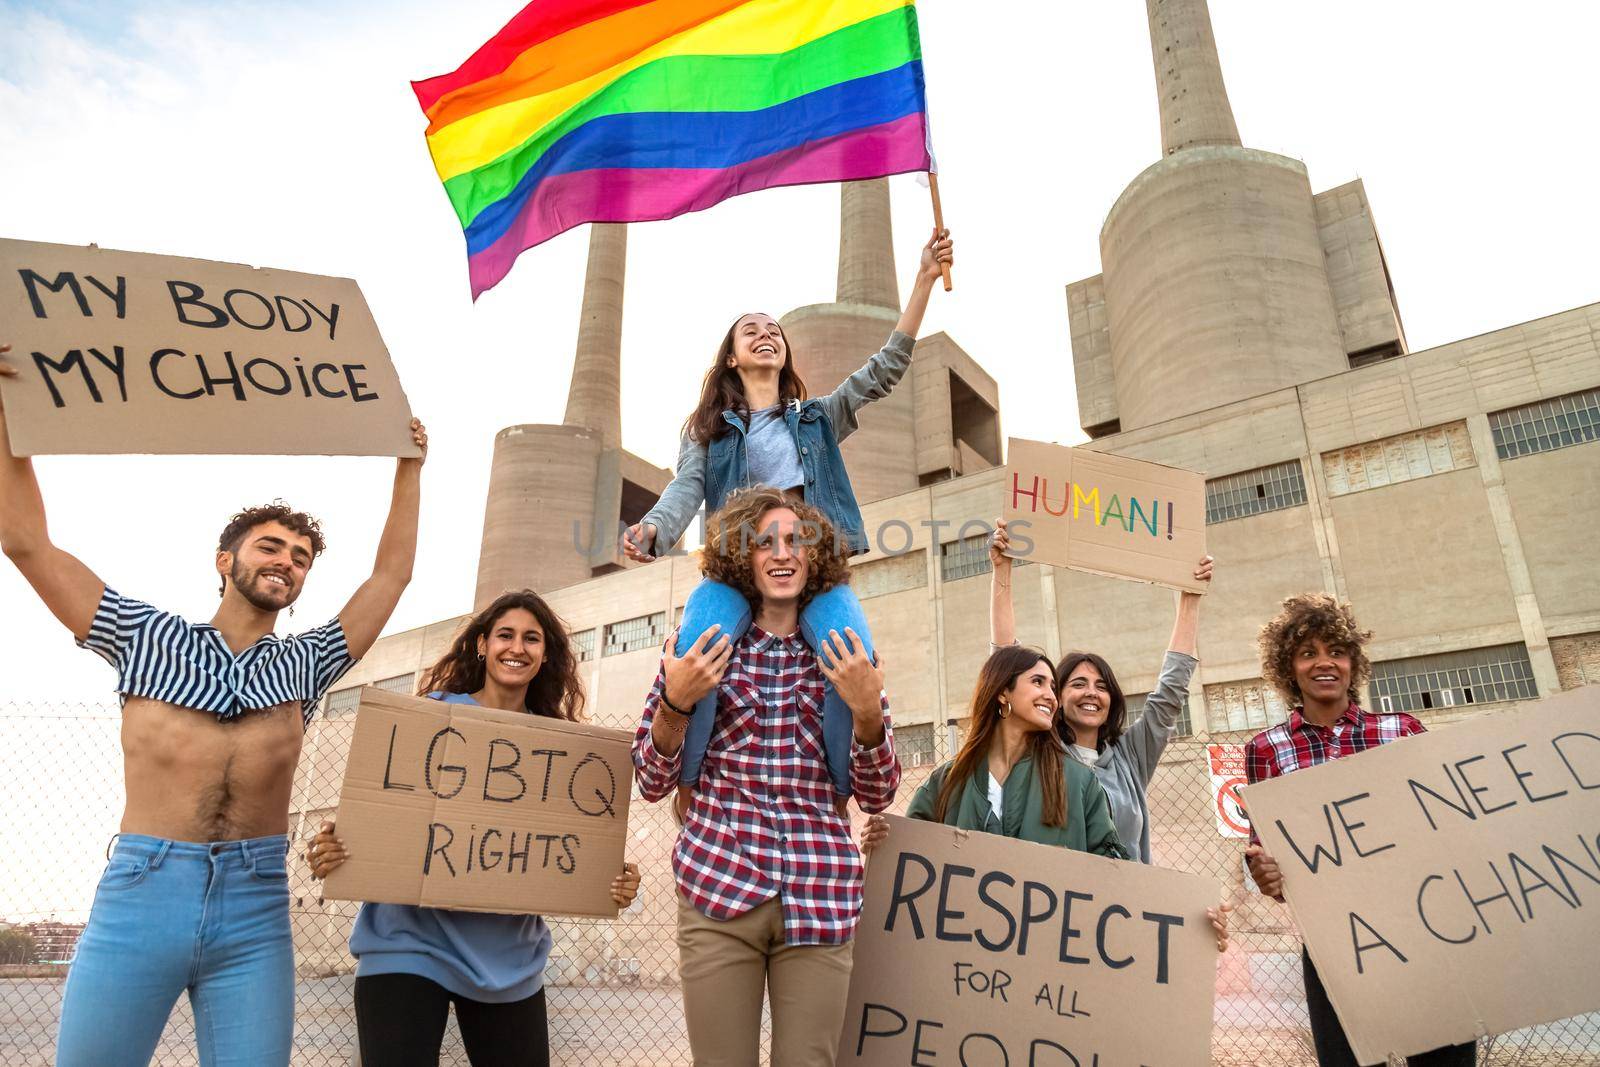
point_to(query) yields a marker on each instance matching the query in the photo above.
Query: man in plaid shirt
(769, 879)
(1313, 651)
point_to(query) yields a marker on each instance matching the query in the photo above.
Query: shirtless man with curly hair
(1314, 652)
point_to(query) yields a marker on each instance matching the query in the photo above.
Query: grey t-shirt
(770, 448)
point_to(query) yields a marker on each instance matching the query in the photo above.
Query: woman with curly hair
(754, 425)
(1314, 652)
(769, 881)
(414, 962)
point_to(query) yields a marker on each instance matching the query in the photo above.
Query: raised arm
(879, 375)
(69, 589)
(1002, 613)
(364, 617)
(935, 255)
(1186, 627)
(1147, 738)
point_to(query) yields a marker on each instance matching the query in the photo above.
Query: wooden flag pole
(938, 222)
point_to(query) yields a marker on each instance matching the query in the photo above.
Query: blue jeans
(170, 916)
(714, 603)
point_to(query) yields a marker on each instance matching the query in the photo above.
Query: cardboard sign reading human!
(1448, 884)
(1091, 511)
(477, 809)
(127, 352)
(980, 949)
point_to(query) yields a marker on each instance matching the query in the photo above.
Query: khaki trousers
(724, 967)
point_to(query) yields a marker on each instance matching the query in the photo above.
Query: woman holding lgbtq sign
(754, 425)
(414, 962)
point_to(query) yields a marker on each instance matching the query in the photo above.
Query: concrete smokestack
(1189, 88)
(594, 399)
(866, 246)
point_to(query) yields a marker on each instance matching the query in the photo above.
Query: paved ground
(632, 1026)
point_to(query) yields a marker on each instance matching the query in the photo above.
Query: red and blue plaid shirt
(1298, 744)
(762, 822)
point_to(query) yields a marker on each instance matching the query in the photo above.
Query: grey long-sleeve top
(1125, 768)
(686, 493)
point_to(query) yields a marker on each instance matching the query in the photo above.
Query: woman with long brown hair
(755, 425)
(1010, 776)
(1094, 712)
(414, 962)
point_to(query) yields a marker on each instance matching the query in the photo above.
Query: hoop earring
(480, 657)
(1005, 709)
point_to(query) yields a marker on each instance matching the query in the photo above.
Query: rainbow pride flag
(631, 110)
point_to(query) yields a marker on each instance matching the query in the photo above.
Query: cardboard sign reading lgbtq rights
(477, 809)
(126, 352)
(1090, 511)
(980, 949)
(1448, 885)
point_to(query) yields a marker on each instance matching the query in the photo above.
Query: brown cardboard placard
(123, 352)
(977, 948)
(1092, 511)
(1383, 854)
(476, 809)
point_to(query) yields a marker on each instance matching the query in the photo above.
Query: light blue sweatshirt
(495, 959)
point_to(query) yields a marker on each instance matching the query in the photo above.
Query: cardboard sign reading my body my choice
(1448, 885)
(980, 949)
(477, 809)
(1090, 511)
(127, 352)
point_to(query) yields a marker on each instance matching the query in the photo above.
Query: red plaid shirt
(762, 823)
(1298, 744)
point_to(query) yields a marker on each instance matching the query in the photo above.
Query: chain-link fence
(612, 986)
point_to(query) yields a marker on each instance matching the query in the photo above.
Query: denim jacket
(707, 474)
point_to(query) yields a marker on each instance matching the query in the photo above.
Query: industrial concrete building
(1243, 326)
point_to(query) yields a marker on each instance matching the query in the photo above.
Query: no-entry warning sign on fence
(1226, 763)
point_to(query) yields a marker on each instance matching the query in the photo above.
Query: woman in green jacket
(1011, 776)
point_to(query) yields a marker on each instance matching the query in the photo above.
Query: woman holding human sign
(1011, 776)
(1094, 712)
(415, 962)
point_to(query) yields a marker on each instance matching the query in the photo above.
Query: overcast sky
(286, 135)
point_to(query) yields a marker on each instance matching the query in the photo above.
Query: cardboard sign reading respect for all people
(127, 352)
(477, 809)
(1448, 884)
(980, 949)
(1105, 514)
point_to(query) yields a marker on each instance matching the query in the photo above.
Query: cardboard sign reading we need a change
(127, 352)
(980, 949)
(1090, 511)
(477, 809)
(1448, 884)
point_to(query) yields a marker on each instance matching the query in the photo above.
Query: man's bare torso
(194, 777)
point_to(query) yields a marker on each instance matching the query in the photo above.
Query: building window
(630, 635)
(892, 574)
(341, 703)
(1401, 458)
(405, 684)
(1452, 679)
(1548, 424)
(914, 745)
(1282, 485)
(583, 645)
(1136, 712)
(1236, 706)
(967, 557)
